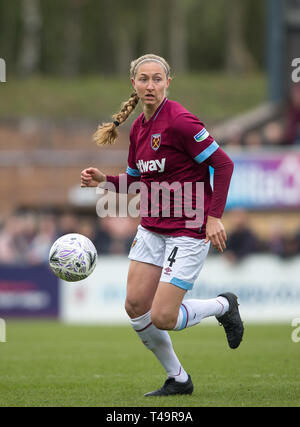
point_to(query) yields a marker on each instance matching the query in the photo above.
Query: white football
(73, 257)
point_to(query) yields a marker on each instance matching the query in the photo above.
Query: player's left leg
(184, 258)
(169, 312)
(183, 261)
(166, 305)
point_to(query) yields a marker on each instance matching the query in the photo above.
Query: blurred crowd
(243, 240)
(25, 238)
(277, 133)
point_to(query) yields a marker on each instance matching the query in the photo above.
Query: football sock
(159, 342)
(192, 311)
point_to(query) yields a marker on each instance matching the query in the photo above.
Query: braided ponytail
(107, 133)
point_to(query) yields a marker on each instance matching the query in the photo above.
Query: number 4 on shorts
(172, 256)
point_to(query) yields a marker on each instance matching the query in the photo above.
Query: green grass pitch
(46, 363)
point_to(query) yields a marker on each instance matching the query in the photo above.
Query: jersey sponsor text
(151, 165)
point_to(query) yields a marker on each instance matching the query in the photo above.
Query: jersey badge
(201, 136)
(155, 141)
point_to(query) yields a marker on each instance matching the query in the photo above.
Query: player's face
(151, 84)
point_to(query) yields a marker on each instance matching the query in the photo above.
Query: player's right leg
(143, 278)
(142, 282)
(141, 287)
(146, 255)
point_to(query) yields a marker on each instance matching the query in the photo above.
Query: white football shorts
(181, 258)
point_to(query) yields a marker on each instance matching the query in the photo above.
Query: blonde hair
(149, 57)
(107, 133)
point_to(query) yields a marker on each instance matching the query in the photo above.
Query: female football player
(170, 151)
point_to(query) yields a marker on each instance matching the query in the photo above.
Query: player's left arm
(201, 146)
(223, 169)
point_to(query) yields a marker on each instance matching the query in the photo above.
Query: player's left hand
(215, 232)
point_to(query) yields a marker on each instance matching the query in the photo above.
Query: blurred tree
(9, 12)
(255, 30)
(123, 49)
(53, 36)
(91, 36)
(178, 49)
(153, 27)
(73, 30)
(238, 58)
(122, 30)
(30, 49)
(205, 34)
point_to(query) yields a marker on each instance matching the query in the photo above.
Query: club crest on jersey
(201, 136)
(155, 141)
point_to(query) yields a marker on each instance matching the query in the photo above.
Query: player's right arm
(92, 177)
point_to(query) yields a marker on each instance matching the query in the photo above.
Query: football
(73, 257)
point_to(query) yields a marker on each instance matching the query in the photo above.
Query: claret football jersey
(168, 155)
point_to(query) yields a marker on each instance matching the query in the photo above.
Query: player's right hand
(91, 177)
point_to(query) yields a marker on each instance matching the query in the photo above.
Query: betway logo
(151, 165)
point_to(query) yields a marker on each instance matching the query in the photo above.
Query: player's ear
(133, 83)
(168, 82)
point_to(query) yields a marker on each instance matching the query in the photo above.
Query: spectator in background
(275, 241)
(234, 140)
(292, 129)
(16, 237)
(241, 240)
(67, 223)
(121, 232)
(253, 140)
(8, 250)
(25, 239)
(291, 246)
(297, 237)
(273, 134)
(95, 232)
(87, 228)
(103, 239)
(38, 251)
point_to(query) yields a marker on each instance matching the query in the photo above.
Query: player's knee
(135, 308)
(163, 319)
(130, 307)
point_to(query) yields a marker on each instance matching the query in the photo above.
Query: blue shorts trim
(182, 284)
